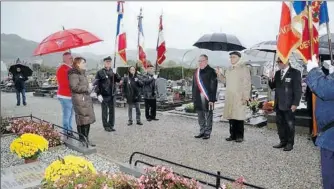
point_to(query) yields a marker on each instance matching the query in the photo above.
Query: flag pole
(310, 26)
(330, 43)
(273, 71)
(156, 62)
(139, 18)
(69, 50)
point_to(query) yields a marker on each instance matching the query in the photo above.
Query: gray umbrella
(219, 42)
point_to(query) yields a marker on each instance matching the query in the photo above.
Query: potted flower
(29, 147)
(66, 166)
(253, 105)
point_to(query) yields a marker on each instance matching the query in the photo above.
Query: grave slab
(22, 176)
(78, 146)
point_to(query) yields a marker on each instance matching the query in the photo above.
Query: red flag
(290, 30)
(161, 46)
(141, 42)
(305, 48)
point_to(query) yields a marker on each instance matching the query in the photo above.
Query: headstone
(161, 84)
(256, 81)
(22, 176)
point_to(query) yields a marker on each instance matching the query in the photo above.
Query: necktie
(282, 74)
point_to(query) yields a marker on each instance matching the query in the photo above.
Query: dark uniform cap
(107, 59)
(235, 53)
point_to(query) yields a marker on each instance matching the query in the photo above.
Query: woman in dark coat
(131, 91)
(82, 102)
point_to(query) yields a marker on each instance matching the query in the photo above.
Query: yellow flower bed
(29, 146)
(67, 166)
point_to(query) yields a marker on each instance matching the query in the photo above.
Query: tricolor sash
(200, 85)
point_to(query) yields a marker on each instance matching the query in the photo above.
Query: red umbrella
(65, 40)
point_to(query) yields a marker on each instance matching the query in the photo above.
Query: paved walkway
(172, 138)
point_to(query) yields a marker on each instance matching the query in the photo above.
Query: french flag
(141, 39)
(323, 17)
(161, 46)
(120, 33)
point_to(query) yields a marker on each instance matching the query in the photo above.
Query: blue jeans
(67, 108)
(327, 168)
(18, 96)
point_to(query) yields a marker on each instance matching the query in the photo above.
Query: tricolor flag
(323, 17)
(120, 33)
(291, 28)
(141, 46)
(161, 46)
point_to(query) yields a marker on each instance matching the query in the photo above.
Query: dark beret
(107, 58)
(235, 53)
(150, 66)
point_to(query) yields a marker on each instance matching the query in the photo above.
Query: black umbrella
(219, 42)
(25, 70)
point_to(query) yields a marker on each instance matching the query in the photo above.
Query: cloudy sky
(184, 22)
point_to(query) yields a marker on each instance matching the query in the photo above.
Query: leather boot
(87, 129)
(80, 131)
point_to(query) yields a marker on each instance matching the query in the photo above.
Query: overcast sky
(184, 22)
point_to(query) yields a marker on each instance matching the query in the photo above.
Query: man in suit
(288, 91)
(204, 92)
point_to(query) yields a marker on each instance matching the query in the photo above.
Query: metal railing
(68, 133)
(217, 176)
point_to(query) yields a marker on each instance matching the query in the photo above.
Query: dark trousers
(18, 96)
(236, 129)
(150, 108)
(285, 121)
(327, 168)
(131, 106)
(83, 131)
(205, 119)
(108, 108)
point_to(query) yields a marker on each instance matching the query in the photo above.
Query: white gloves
(114, 70)
(155, 76)
(136, 79)
(331, 69)
(100, 98)
(312, 63)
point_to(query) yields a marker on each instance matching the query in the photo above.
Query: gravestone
(161, 84)
(22, 176)
(256, 81)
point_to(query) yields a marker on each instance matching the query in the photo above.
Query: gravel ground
(172, 138)
(9, 159)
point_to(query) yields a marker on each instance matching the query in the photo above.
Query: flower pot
(26, 161)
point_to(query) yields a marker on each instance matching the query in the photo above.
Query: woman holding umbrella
(82, 102)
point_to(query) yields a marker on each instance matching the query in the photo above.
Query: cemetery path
(172, 138)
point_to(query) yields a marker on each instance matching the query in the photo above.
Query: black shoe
(70, 134)
(112, 129)
(280, 145)
(17, 104)
(139, 123)
(199, 136)
(155, 119)
(288, 147)
(91, 144)
(229, 139)
(129, 123)
(239, 140)
(107, 129)
(206, 137)
(149, 119)
(24, 104)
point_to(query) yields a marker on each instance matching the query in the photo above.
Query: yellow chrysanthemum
(28, 145)
(67, 166)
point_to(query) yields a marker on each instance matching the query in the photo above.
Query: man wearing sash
(204, 92)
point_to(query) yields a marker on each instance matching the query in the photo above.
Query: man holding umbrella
(19, 79)
(204, 92)
(106, 79)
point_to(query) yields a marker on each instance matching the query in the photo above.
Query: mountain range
(13, 46)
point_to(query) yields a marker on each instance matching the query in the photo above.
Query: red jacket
(63, 83)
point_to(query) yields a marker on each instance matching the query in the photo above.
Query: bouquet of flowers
(162, 177)
(67, 166)
(253, 105)
(29, 146)
(268, 107)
